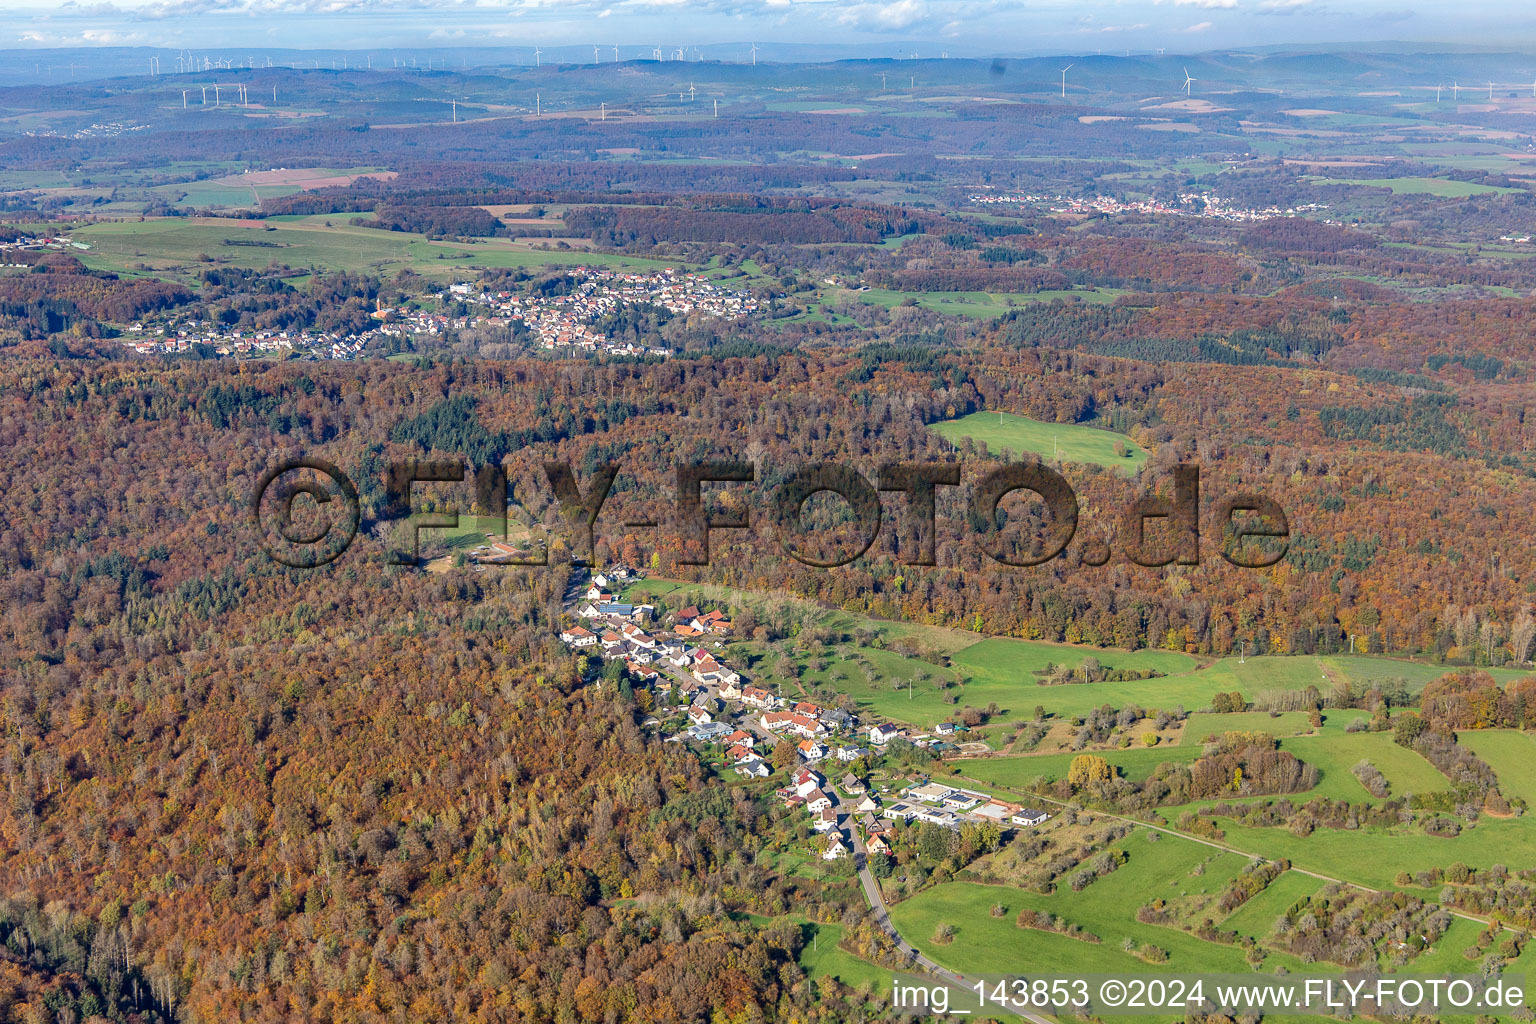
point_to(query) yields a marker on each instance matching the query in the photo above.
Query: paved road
(881, 915)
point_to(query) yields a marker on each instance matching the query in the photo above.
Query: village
(565, 321)
(555, 322)
(1197, 204)
(678, 658)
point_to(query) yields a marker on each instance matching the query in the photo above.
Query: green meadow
(177, 247)
(981, 305)
(1007, 434)
(1444, 187)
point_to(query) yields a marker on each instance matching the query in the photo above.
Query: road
(881, 915)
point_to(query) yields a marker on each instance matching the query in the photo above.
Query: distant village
(1197, 204)
(681, 661)
(565, 321)
(557, 322)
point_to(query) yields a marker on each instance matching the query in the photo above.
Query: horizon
(904, 27)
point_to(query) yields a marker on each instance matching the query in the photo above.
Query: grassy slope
(1006, 433)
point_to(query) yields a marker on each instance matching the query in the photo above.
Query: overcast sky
(966, 26)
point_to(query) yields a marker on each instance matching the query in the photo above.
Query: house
(708, 732)
(944, 729)
(688, 614)
(817, 802)
(788, 721)
(930, 792)
(825, 820)
(995, 811)
(730, 686)
(869, 804)
(589, 611)
(960, 801)
(851, 783)
(640, 672)
(754, 768)
(738, 752)
(1029, 817)
(600, 581)
(851, 753)
(578, 637)
(611, 640)
(637, 636)
(698, 716)
(623, 611)
(742, 738)
(877, 843)
(806, 708)
(811, 750)
(836, 849)
(756, 697)
(901, 812)
(880, 735)
(806, 782)
(836, 719)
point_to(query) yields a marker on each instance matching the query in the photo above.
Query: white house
(754, 769)
(578, 637)
(817, 802)
(825, 820)
(836, 849)
(1029, 817)
(880, 735)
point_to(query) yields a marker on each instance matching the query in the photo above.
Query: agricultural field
(1170, 868)
(1019, 771)
(1005, 434)
(1445, 188)
(979, 305)
(182, 247)
(1203, 724)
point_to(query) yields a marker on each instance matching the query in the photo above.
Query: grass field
(1005, 433)
(1443, 187)
(1512, 755)
(982, 305)
(179, 247)
(821, 957)
(1107, 908)
(1257, 916)
(1201, 725)
(1018, 772)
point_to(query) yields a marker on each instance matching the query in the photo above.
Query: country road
(882, 916)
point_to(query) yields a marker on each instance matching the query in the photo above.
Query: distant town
(1197, 204)
(557, 323)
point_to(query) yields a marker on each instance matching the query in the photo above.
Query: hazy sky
(966, 26)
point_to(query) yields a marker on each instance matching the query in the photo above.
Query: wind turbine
(538, 57)
(1064, 71)
(183, 99)
(594, 56)
(1437, 94)
(1490, 92)
(205, 95)
(1188, 81)
(538, 105)
(690, 92)
(455, 111)
(754, 55)
(656, 53)
(615, 54)
(882, 82)
(1456, 91)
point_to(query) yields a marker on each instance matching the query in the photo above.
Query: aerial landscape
(929, 512)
